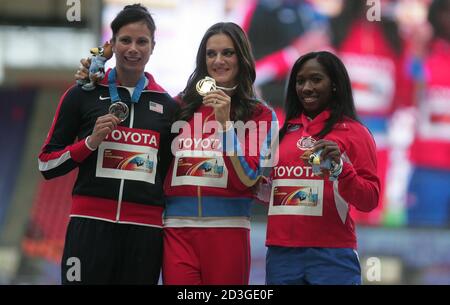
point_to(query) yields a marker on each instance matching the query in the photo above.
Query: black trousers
(101, 252)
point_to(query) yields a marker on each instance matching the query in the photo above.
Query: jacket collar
(306, 121)
(312, 126)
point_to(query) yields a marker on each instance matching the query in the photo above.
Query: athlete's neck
(128, 79)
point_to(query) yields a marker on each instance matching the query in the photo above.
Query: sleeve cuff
(80, 151)
(347, 168)
(87, 145)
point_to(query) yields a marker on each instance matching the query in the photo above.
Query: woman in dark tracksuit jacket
(115, 230)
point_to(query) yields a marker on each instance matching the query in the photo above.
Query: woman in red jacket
(310, 234)
(217, 153)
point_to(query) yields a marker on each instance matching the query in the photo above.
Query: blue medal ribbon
(113, 88)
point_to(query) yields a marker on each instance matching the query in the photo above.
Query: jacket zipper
(122, 181)
(119, 200)
(199, 191)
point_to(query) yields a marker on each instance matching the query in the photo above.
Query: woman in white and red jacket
(310, 234)
(222, 137)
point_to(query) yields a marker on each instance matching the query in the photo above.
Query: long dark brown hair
(243, 102)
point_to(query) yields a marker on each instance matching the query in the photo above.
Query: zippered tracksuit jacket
(121, 182)
(310, 233)
(321, 218)
(209, 195)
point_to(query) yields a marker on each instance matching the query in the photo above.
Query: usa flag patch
(156, 107)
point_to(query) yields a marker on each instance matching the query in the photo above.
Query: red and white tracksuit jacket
(311, 211)
(207, 185)
(209, 193)
(431, 146)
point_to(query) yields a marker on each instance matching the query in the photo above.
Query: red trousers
(206, 256)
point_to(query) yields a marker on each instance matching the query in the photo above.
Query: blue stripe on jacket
(230, 137)
(211, 206)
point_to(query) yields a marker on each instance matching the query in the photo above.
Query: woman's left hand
(330, 150)
(221, 103)
(83, 69)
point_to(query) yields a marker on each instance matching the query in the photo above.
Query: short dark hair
(244, 99)
(130, 14)
(342, 103)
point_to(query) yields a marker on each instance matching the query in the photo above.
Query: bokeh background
(395, 58)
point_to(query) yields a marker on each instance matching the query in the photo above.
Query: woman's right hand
(103, 126)
(83, 70)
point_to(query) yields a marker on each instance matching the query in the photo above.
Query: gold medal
(206, 85)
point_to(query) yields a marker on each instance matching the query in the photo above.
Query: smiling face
(133, 46)
(221, 60)
(313, 87)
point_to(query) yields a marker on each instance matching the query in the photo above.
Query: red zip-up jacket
(209, 181)
(311, 211)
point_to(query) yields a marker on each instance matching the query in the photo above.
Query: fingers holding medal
(104, 125)
(215, 97)
(212, 95)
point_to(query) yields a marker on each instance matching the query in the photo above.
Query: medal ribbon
(113, 88)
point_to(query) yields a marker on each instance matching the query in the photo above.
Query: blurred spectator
(373, 53)
(429, 188)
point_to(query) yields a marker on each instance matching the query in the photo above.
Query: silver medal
(120, 110)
